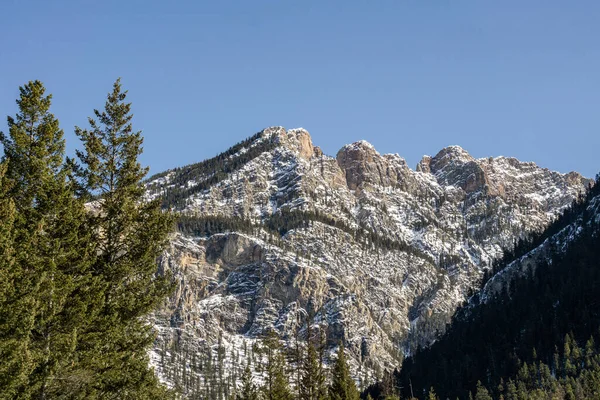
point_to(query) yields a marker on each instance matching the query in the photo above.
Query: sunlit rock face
(379, 255)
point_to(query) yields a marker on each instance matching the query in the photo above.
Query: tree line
(285, 220)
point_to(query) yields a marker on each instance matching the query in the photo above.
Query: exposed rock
(390, 257)
(424, 165)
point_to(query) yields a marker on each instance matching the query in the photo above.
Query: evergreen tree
(53, 292)
(432, 395)
(482, 393)
(297, 357)
(511, 391)
(342, 385)
(276, 386)
(15, 309)
(131, 234)
(281, 387)
(248, 390)
(312, 386)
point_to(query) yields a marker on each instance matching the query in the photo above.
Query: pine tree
(482, 393)
(323, 389)
(569, 367)
(281, 386)
(131, 234)
(590, 347)
(511, 391)
(432, 395)
(342, 385)
(276, 386)
(15, 316)
(312, 386)
(248, 390)
(52, 287)
(297, 356)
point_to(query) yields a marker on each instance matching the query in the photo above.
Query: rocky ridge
(375, 253)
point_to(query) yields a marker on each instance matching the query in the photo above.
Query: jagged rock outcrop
(378, 254)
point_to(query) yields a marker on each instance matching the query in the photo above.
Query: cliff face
(378, 254)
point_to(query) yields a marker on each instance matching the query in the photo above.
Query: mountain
(540, 309)
(273, 233)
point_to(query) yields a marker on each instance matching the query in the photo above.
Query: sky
(506, 77)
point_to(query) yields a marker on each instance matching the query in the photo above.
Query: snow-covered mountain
(377, 254)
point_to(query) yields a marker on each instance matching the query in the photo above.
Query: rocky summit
(274, 235)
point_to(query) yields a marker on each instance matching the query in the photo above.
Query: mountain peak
(359, 162)
(453, 152)
(272, 132)
(299, 140)
(360, 145)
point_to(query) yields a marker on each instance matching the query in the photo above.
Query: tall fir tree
(276, 385)
(131, 234)
(15, 309)
(312, 386)
(297, 357)
(52, 291)
(482, 393)
(342, 385)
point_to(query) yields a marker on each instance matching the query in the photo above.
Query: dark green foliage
(312, 384)
(286, 220)
(130, 235)
(342, 385)
(15, 306)
(210, 225)
(276, 386)
(385, 388)
(51, 292)
(432, 395)
(482, 393)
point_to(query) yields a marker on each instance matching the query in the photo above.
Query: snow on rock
(383, 259)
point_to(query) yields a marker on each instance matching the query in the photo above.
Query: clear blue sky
(514, 78)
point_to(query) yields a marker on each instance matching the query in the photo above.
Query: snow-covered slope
(380, 255)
